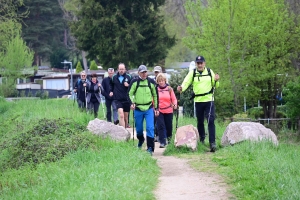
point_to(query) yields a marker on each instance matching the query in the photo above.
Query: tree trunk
(83, 53)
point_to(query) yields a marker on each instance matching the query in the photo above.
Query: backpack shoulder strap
(137, 85)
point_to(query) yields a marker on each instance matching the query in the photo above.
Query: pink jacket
(167, 99)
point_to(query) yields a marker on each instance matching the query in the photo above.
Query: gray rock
(187, 136)
(108, 129)
(240, 131)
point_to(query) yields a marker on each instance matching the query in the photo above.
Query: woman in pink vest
(167, 102)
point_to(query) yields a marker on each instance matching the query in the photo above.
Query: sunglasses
(83, 75)
(110, 69)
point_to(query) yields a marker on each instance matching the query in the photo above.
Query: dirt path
(179, 181)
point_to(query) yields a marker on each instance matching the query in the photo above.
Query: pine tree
(79, 67)
(117, 31)
(93, 65)
(44, 27)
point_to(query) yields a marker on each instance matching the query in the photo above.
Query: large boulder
(187, 136)
(108, 129)
(240, 131)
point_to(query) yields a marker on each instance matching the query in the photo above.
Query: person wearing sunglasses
(204, 82)
(80, 89)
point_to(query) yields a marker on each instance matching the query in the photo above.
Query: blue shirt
(121, 78)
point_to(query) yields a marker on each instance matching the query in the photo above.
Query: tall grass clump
(47, 153)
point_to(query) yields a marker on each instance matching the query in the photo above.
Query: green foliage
(135, 28)
(43, 28)
(188, 105)
(240, 42)
(45, 141)
(58, 56)
(79, 67)
(255, 112)
(292, 98)
(93, 65)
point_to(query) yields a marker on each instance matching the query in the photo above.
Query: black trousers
(164, 125)
(94, 107)
(205, 110)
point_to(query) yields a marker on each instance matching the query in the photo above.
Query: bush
(47, 140)
(79, 67)
(93, 66)
(255, 113)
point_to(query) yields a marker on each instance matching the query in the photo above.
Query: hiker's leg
(150, 128)
(126, 109)
(168, 118)
(108, 104)
(115, 111)
(96, 109)
(139, 118)
(200, 107)
(121, 117)
(161, 128)
(210, 106)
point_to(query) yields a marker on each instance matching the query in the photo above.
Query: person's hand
(126, 84)
(179, 88)
(75, 90)
(84, 85)
(132, 107)
(156, 112)
(175, 107)
(99, 85)
(217, 77)
(111, 94)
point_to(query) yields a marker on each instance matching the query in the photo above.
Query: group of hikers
(151, 100)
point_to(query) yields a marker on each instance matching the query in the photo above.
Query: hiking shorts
(122, 104)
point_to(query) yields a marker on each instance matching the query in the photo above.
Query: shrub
(93, 66)
(46, 140)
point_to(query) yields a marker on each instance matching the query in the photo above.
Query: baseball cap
(157, 69)
(200, 59)
(142, 68)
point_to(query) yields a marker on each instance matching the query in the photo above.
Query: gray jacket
(93, 88)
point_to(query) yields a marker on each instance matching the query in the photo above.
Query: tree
(13, 61)
(248, 43)
(10, 21)
(122, 31)
(292, 98)
(79, 67)
(93, 65)
(43, 30)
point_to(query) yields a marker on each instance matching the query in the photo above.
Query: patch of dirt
(178, 180)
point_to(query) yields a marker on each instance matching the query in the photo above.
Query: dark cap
(142, 68)
(200, 59)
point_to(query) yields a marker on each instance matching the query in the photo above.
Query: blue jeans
(139, 117)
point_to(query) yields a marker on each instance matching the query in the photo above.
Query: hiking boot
(202, 142)
(156, 138)
(116, 122)
(150, 151)
(141, 142)
(128, 126)
(213, 147)
(162, 146)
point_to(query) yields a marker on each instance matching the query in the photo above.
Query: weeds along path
(178, 180)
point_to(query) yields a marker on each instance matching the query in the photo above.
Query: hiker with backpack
(142, 95)
(119, 91)
(109, 103)
(93, 95)
(80, 89)
(167, 102)
(204, 82)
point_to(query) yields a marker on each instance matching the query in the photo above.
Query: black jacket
(80, 89)
(119, 90)
(106, 88)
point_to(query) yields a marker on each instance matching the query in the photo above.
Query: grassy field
(46, 153)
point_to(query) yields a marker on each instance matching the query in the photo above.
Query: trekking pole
(102, 105)
(73, 96)
(212, 98)
(85, 99)
(177, 112)
(133, 127)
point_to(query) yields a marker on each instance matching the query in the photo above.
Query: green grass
(67, 162)
(96, 168)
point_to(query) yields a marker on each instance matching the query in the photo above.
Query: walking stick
(85, 99)
(133, 127)
(102, 105)
(212, 98)
(177, 112)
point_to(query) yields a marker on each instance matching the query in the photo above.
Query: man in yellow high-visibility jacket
(204, 81)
